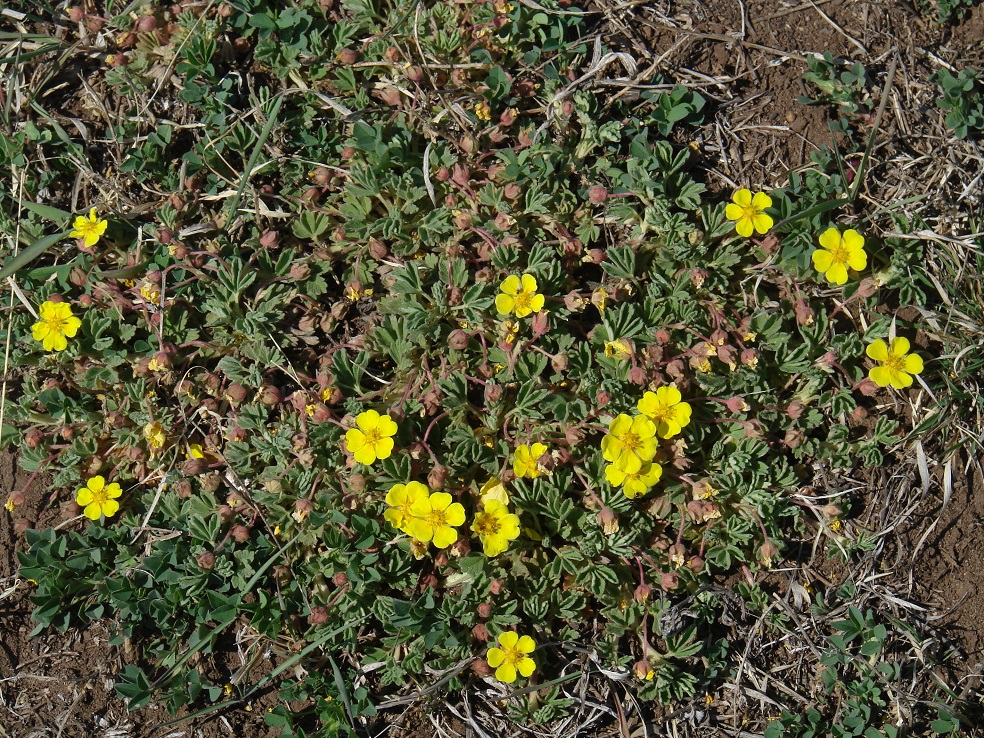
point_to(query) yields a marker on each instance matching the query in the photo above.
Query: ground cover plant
(387, 343)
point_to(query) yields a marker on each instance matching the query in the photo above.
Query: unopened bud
(458, 340)
(318, 616)
(437, 477)
(608, 521)
(239, 533)
(206, 560)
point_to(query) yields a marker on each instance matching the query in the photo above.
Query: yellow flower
(511, 657)
(150, 293)
(618, 349)
(493, 490)
(838, 252)
(525, 460)
(483, 111)
(518, 295)
(495, 526)
(89, 229)
(637, 484)
(666, 408)
(746, 211)
(372, 439)
(326, 393)
(195, 451)
(155, 436)
(401, 498)
(897, 364)
(99, 498)
(434, 519)
(508, 330)
(56, 324)
(630, 442)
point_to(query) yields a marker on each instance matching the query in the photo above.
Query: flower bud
(339, 579)
(206, 560)
(669, 581)
(484, 610)
(33, 437)
(211, 482)
(357, 482)
(237, 434)
(637, 375)
(194, 467)
(867, 387)
(415, 74)
(496, 586)
(608, 521)
(767, 552)
(696, 563)
(573, 301)
(642, 592)
(377, 249)
(642, 670)
(183, 489)
(602, 398)
(318, 616)
(347, 57)
(270, 395)
(559, 363)
(458, 340)
(390, 96)
(794, 438)
(437, 477)
(239, 533)
(597, 194)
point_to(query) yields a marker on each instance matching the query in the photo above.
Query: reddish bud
(33, 437)
(597, 194)
(437, 477)
(669, 581)
(239, 533)
(194, 467)
(348, 56)
(458, 340)
(206, 560)
(484, 610)
(318, 616)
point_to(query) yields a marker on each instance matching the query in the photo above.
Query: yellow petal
(899, 380)
(92, 511)
(761, 201)
(444, 536)
(529, 283)
(383, 448)
(853, 240)
(822, 260)
(526, 666)
(84, 497)
(837, 274)
(368, 420)
(510, 285)
(913, 364)
(742, 197)
(495, 657)
(857, 260)
(455, 514)
(386, 426)
(830, 239)
(878, 351)
(525, 645)
(365, 455)
(744, 227)
(536, 304)
(763, 223)
(96, 484)
(506, 673)
(880, 375)
(509, 639)
(504, 303)
(354, 440)
(900, 346)
(110, 508)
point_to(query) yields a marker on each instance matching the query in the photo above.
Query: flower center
(99, 497)
(841, 253)
(523, 300)
(372, 437)
(631, 441)
(749, 211)
(895, 362)
(487, 525)
(56, 325)
(438, 518)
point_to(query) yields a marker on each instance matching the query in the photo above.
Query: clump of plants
(420, 371)
(963, 100)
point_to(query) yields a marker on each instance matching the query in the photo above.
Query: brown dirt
(949, 565)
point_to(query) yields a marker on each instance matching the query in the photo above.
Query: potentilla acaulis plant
(478, 394)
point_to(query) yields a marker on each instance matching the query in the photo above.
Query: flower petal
(510, 285)
(537, 302)
(614, 475)
(526, 666)
(84, 497)
(857, 260)
(504, 304)
(853, 240)
(913, 364)
(763, 223)
(383, 448)
(386, 426)
(837, 274)
(878, 350)
(744, 227)
(509, 639)
(525, 645)
(830, 239)
(761, 201)
(92, 511)
(495, 657)
(900, 346)
(900, 380)
(354, 440)
(506, 673)
(733, 212)
(880, 375)
(444, 536)
(822, 259)
(455, 514)
(742, 197)
(110, 508)
(96, 483)
(529, 283)
(365, 455)
(368, 420)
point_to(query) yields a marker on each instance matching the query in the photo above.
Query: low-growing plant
(963, 99)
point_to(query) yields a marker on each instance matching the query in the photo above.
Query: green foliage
(963, 99)
(329, 248)
(839, 82)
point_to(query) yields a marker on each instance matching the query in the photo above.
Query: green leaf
(31, 253)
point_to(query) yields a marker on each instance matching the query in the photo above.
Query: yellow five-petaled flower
(495, 526)
(98, 498)
(372, 439)
(89, 229)
(525, 460)
(838, 253)
(434, 519)
(630, 443)
(636, 484)
(401, 498)
(55, 326)
(518, 295)
(897, 365)
(666, 408)
(512, 656)
(747, 212)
